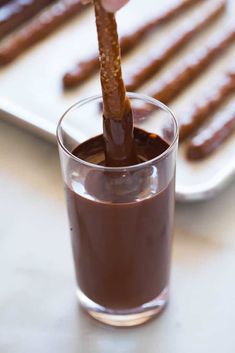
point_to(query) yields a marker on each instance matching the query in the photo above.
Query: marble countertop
(38, 306)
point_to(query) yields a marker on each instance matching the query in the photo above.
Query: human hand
(110, 5)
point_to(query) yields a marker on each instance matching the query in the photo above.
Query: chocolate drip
(38, 28)
(16, 12)
(154, 60)
(84, 69)
(117, 117)
(175, 81)
(198, 113)
(208, 140)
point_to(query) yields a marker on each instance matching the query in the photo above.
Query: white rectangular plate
(31, 93)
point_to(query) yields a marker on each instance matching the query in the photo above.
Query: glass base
(122, 318)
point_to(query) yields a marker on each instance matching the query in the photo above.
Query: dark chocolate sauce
(121, 247)
(148, 146)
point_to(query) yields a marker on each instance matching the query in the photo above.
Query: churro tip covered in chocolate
(210, 137)
(174, 81)
(156, 58)
(208, 103)
(117, 113)
(17, 12)
(38, 28)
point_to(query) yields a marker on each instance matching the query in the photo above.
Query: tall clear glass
(121, 237)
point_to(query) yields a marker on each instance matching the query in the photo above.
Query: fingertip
(113, 5)
(84, 2)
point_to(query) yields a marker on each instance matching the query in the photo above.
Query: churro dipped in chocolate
(155, 59)
(176, 80)
(117, 114)
(16, 12)
(212, 136)
(84, 69)
(38, 28)
(210, 101)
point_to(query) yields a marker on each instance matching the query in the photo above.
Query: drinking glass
(121, 219)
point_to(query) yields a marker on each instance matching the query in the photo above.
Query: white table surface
(38, 306)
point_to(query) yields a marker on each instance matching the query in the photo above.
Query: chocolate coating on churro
(155, 59)
(213, 135)
(117, 114)
(16, 12)
(199, 112)
(84, 69)
(176, 80)
(38, 28)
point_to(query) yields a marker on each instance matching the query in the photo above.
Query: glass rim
(139, 96)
